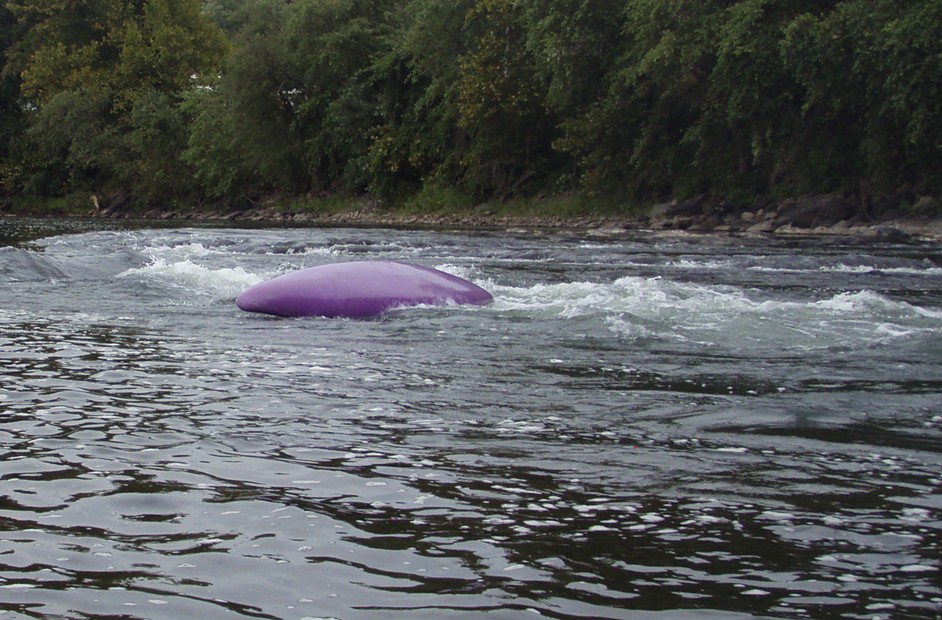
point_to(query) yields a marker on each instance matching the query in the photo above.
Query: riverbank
(823, 215)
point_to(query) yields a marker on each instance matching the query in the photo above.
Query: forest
(171, 102)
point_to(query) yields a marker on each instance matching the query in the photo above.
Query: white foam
(576, 299)
(863, 269)
(182, 250)
(855, 302)
(711, 265)
(465, 272)
(870, 305)
(636, 307)
(218, 284)
(312, 251)
(841, 268)
(851, 269)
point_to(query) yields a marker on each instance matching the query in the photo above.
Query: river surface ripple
(654, 427)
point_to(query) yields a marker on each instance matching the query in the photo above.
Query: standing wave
(189, 279)
(721, 315)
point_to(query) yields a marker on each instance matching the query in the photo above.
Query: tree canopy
(181, 101)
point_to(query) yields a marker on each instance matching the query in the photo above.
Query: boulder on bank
(815, 212)
(687, 208)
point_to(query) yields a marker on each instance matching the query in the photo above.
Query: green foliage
(69, 144)
(418, 139)
(500, 103)
(870, 76)
(293, 110)
(225, 14)
(905, 101)
(167, 48)
(221, 167)
(242, 139)
(574, 44)
(101, 82)
(436, 102)
(11, 117)
(336, 41)
(631, 139)
(433, 198)
(154, 136)
(564, 205)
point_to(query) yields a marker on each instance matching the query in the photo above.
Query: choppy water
(643, 428)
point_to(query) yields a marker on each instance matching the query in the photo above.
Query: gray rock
(691, 207)
(816, 211)
(706, 224)
(762, 227)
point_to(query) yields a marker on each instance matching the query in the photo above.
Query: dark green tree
(294, 110)
(501, 103)
(90, 70)
(243, 140)
(745, 132)
(646, 99)
(336, 43)
(631, 140)
(418, 141)
(11, 114)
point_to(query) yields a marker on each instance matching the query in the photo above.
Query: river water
(650, 427)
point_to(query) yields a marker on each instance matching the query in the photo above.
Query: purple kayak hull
(358, 290)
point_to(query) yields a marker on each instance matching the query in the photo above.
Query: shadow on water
(861, 434)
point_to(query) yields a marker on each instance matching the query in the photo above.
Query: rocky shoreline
(822, 215)
(831, 215)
